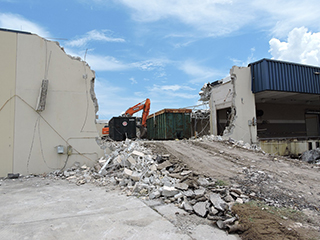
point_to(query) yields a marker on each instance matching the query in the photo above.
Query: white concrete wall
(221, 97)
(7, 101)
(244, 102)
(237, 95)
(69, 115)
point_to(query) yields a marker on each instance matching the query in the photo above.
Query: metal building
(274, 104)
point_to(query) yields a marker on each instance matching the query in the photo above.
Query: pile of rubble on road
(140, 173)
(234, 143)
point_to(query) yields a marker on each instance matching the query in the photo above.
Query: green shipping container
(169, 124)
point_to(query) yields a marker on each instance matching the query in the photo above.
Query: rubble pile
(137, 172)
(230, 141)
(311, 156)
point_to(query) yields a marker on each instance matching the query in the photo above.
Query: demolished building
(47, 106)
(270, 103)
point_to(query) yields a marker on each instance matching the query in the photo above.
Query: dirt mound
(260, 224)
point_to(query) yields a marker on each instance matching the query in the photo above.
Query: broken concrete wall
(200, 122)
(245, 127)
(221, 98)
(236, 95)
(68, 118)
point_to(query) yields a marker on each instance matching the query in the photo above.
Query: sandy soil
(275, 181)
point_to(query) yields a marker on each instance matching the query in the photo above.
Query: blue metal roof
(274, 75)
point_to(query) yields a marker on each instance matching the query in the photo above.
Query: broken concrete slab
(169, 191)
(228, 198)
(221, 224)
(203, 182)
(164, 165)
(200, 209)
(135, 176)
(187, 206)
(217, 202)
(137, 153)
(214, 211)
(181, 186)
(199, 192)
(184, 173)
(188, 193)
(239, 200)
(154, 194)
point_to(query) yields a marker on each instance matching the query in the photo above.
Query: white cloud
(99, 62)
(282, 15)
(201, 74)
(133, 81)
(176, 87)
(151, 64)
(221, 17)
(173, 91)
(17, 22)
(301, 46)
(109, 63)
(215, 17)
(245, 63)
(93, 35)
(106, 63)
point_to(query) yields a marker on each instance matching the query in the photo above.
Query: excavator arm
(145, 105)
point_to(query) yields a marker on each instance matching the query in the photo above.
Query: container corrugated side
(169, 124)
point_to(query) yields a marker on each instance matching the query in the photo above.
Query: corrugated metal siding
(272, 75)
(169, 124)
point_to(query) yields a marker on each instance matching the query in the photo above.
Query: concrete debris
(200, 209)
(203, 182)
(169, 191)
(187, 206)
(184, 173)
(217, 202)
(134, 168)
(312, 156)
(221, 224)
(199, 192)
(154, 194)
(230, 141)
(164, 165)
(181, 186)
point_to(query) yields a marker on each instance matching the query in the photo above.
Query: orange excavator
(145, 106)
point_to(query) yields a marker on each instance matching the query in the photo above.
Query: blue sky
(166, 50)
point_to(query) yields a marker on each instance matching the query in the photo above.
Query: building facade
(47, 106)
(274, 104)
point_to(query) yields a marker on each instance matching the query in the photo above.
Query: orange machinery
(145, 106)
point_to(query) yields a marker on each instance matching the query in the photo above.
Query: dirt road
(277, 181)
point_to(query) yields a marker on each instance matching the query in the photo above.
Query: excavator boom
(145, 105)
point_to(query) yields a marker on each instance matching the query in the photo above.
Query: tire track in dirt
(203, 161)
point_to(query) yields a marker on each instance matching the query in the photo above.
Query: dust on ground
(286, 191)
